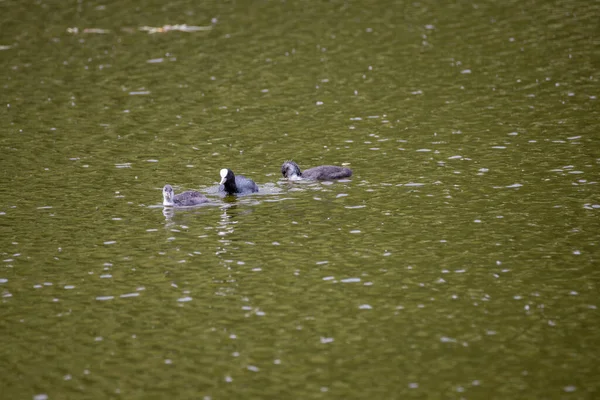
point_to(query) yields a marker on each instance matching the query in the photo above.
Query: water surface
(459, 261)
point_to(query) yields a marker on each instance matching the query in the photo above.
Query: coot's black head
(290, 170)
(227, 176)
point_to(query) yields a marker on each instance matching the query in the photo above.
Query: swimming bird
(232, 184)
(291, 170)
(185, 199)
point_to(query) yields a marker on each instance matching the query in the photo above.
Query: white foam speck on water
(350, 280)
(514, 185)
(326, 340)
(329, 278)
(125, 295)
(365, 307)
(104, 298)
(445, 339)
(69, 287)
(184, 299)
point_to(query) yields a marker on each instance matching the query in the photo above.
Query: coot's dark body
(291, 170)
(185, 199)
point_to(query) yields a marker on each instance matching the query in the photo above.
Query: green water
(459, 261)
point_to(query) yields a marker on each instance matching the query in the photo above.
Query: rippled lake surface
(459, 261)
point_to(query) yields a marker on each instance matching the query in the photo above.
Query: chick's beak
(222, 181)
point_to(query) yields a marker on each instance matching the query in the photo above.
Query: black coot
(232, 184)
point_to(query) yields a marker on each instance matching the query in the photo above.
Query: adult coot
(185, 199)
(291, 170)
(232, 184)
